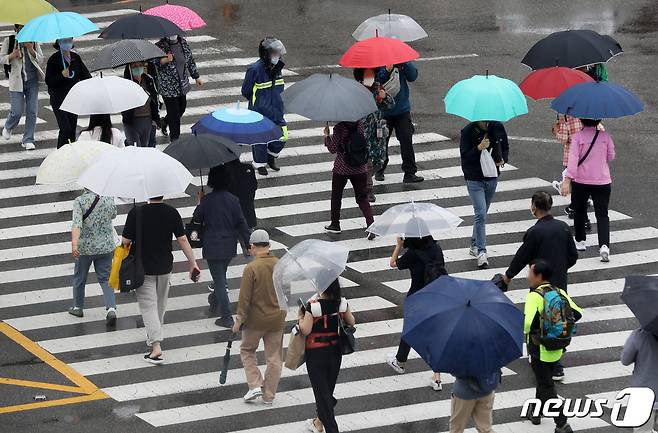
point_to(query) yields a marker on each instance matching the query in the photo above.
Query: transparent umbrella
(307, 269)
(414, 220)
(390, 25)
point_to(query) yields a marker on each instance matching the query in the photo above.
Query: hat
(259, 237)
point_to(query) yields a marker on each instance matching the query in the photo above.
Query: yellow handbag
(120, 253)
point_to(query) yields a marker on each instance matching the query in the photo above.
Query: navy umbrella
(463, 327)
(641, 295)
(240, 125)
(597, 100)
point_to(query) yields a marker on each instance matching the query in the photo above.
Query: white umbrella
(414, 220)
(104, 95)
(390, 25)
(69, 161)
(134, 172)
(307, 269)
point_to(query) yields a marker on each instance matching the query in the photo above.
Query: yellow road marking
(98, 395)
(41, 385)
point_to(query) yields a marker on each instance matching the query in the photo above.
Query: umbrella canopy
(641, 295)
(329, 98)
(572, 49)
(375, 52)
(203, 151)
(183, 17)
(21, 12)
(306, 269)
(104, 95)
(597, 100)
(67, 163)
(134, 172)
(414, 220)
(463, 327)
(240, 125)
(140, 26)
(390, 25)
(551, 82)
(124, 52)
(486, 98)
(56, 25)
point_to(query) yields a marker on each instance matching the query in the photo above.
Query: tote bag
(296, 352)
(487, 164)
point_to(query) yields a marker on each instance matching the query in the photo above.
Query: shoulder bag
(346, 339)
(131, 273)
(591, 145)
(91, 208)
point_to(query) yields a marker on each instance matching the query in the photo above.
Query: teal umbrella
(57, 25)
(486, 97)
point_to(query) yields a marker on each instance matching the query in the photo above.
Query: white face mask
(173, 39)
(368, 82)
(275, 59)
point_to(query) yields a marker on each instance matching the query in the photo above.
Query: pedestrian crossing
(293, 205)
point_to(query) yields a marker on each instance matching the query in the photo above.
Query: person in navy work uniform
(262, 86)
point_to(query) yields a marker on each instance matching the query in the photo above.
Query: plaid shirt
(567, 127)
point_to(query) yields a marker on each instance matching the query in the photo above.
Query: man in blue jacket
(399, 118)
(262, 86)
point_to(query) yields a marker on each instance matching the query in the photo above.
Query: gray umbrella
(390, 25)
(329, 98)
(641, 295)
(124, 52)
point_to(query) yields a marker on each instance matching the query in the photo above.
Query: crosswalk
(293, 204)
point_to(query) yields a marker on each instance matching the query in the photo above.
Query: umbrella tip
(487, 73)
(389, 11)
(468, 304)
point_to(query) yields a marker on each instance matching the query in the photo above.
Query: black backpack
(10, 49)
(356, 149)
(433, 268)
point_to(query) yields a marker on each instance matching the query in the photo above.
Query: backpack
(356, 149)
(557, 323)
(10, 49)
(433, 268)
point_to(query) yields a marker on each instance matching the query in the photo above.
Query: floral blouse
(97, 234)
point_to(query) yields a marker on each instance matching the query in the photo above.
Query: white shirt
(118, 137)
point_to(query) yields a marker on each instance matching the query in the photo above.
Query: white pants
(152, 302)
(648, 427)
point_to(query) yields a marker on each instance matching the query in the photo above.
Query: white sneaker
(473, 251)
(28, 146)
(581, 245)
(483, 262)
(557, 185)
(436, 385)
(6, 134)
(393, 362)
(604, 252)
(253, 394)
(111, 316)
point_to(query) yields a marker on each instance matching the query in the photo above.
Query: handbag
(392, 85)
(487, 164)
(346, 340)
(296, 353)
(131, 272)
(120, 253)
(194, 233)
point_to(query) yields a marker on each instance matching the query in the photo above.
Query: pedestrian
(420, 253)
(223, 226)
(93, 239)
(349, 145)
(588, 175)
(262, 318)
(473, 397)
(100, 129)
(64, 70)
(159, 222)
(139, 122)
(319, 322)
(173, 72)
(375, 126)
(398, 118)
(478, 137)
(22, 63)
(641, 349)
(542, 360)
(262, 87)
(243, 185)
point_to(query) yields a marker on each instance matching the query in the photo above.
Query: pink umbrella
(183, 17)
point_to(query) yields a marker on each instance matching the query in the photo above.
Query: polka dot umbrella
(182, 16)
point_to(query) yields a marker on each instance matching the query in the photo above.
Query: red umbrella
(378, 51)
(551, 82)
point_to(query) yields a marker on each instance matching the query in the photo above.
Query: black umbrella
(572, 49)
(124, 52)
(641, 296)
(140, 26)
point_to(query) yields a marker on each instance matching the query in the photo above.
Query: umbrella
(240, 125)
(597, 100)
(390, 25)
(306, 269)
(20, 12)
(56, 25)
(124, 52)
(641, 295)
(140, 26)
(463, 327)
(104, 95)
(226, 360)
(375, 52)
(183, 17)
(329, 98)
(550, 82)
(65, 164)
(134, 172)
(572, 49)
(414, 220)
(486, 98)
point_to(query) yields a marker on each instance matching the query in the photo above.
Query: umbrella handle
(201, 175)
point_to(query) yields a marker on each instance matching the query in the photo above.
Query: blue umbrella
(240, 125)
(463, 327)
(597, 100)
(57, 25)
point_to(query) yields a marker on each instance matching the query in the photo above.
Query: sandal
(155, 360)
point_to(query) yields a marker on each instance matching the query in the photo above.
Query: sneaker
(332, 229)
(564, 429)
(111, 317)
(535, 420)
(412, 178)
(252, 394)
(28, 146)
(155, 360)
(6, 134)
(581, 245)
(396, 365)
(436, 385)
(590, 203)
(483, 262)
(267, 402)
(569, 211)
(604, 252)
(379, 176)
(371, 236)
(558, 374)
(271, 162)
(211, 287)
(262, 171)
(372, 198)
(473, 251)
(76, 311)
(557, 185)
(310, 426)
(225, 322)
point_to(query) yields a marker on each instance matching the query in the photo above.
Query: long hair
(333, 292)
(105, 123)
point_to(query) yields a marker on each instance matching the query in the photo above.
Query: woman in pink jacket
(588, 175)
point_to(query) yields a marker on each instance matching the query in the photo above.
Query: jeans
(67, 123)
(404, 131)
(260, 152)
(25, 100)
(601, 197)
(482, 193)
(175, 108)
(545, 385)
(360, 185)
(218, 272)
(323, 366)
(102, 266)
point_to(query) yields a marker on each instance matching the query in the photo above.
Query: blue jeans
(102, 266)
(25, 100)
(217, 270)
(482, 194)
(261, 151)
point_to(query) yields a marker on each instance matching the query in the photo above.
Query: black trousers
(545, 385)
(323, 366)
(404, 131)
(67, 123)
(600, 194)
(175, 109)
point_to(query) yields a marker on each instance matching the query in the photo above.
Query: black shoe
(271, 161)
(371, 236)
(569, 211)
(379, 176)
(372, 198)
(262, 171)
(163, 127)
(225, 322)
(332, 228)
(412, 178)
(564, 429)
(588, 226)
(558, 375)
